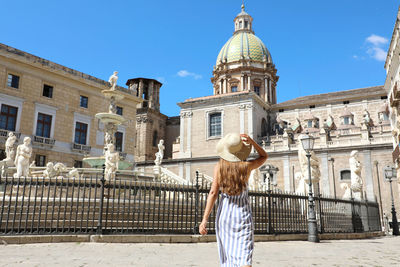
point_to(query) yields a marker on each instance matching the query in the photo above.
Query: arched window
(264, 127)
(345, 175)
(155, 137)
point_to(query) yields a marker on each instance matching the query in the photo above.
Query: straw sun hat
(232, 148)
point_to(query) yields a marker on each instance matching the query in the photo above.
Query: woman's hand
(202, 228)
(247, 139)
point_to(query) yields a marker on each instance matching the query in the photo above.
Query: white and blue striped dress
(235, 230)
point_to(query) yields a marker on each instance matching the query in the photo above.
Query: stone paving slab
(382, 251)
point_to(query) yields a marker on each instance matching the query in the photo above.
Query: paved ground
(368, 252)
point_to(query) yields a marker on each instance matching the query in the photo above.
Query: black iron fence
(35, 205)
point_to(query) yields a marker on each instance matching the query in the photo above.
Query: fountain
(111, 120)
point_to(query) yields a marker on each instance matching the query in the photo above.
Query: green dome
(244, 44)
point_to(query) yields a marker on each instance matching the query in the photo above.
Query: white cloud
(377, 40)
(375, 48)
(185, 73)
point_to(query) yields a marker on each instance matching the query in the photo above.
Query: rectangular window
(346, 102)
(40, 160)
(13, 81)
(43, 125)
(246, 23)
(257, 90)
(281, 110)
(119, 110)
(215, 125)
(384, 97)
(78, 164)
(345, 175)
(8, 117)
(48, 91)
(119, 137)
(234, 88)
(309, 124)
(80, 133)
(312, 106)
(83, 101)
(346, 120)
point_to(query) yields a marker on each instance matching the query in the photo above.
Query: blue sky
(317, 46)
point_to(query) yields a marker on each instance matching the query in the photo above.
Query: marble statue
(113, 80)
(355, 173)
(302, 187)
(347, 191)
(52, 170)
(10, 150)
(73, 173)
(160, 153)
(134, 88)
(112, 159)
(367, 118)
(314, 162)
(254, 179)
(23, 154)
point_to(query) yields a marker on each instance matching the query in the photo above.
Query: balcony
(4, 134)
(42, 141)
(84, 149)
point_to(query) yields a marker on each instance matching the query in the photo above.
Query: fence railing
(35, 205)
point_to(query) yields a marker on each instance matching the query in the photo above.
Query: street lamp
(389, 174)
(307, 141)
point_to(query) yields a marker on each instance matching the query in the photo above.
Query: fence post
(100, 221)
(353, 215)
(321, 222)
(196, 205)
(269, 211)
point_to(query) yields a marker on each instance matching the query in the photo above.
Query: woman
(234, 222)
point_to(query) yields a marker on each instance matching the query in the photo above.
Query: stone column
(225, 86)
(241, 117)
(250, 120)
(140, 88)
(325, 188)
(151, 94)
(286, 172)
(369, 183)
(266, 89)
(242, 83)
(188, 172)
(249, 82)
(182, 135)
(181, 170)
(189, 134)
(269, 90)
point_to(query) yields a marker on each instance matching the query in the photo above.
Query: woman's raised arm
(254, 164)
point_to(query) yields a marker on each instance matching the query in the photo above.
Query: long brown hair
(232, 176)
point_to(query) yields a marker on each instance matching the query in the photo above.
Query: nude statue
(160, 153)
(10, 151)
(355, 172)
(112, 159)
(113, 80)
(24, 152)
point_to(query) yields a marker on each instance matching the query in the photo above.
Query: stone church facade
(244, 100)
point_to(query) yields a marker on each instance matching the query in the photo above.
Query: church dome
(243, 45)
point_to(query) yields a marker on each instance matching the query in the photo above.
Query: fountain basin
(113, 93)
(105, 118)
(97, 162)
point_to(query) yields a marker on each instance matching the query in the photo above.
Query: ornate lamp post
(307, 141)
(389, 174)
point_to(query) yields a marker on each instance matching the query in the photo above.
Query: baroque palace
(55, 105)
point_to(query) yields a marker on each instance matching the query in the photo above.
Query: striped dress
(235, 230)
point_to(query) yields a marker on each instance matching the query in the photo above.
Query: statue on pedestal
(111, 162)
(347, 191)
(24, 152)
(355, 172)
(314, 163)
(113, 80)
(254, 179)
(10, 150)
(160, 153)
